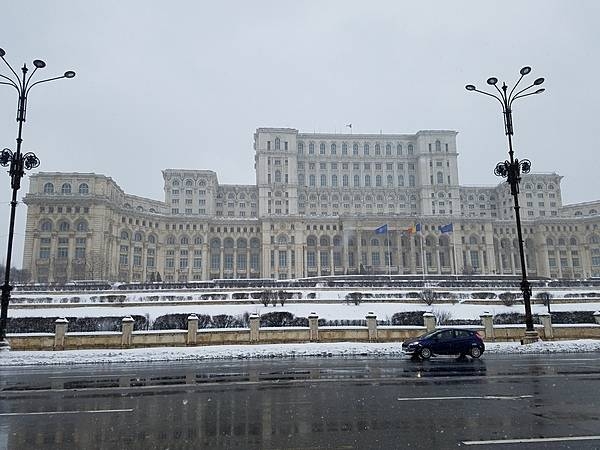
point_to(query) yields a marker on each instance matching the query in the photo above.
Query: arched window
(311, 241)
(355, 149)
(399, 149)
(137, 236)
(549, 241)
(593, 212)
(300, 148)
(151, 239)
(377, 149)
(322, 148)
(388, 149)
(561, 241)
(390, 180)
(367, 180)
(324, 241)
(356, 180)
(400, 180)
(175, 183)
(344, 149)
(241, 243)
(48, 188)
(277, 144)
(573, 241)
(189, 183)
(438, 146)
(378, 180)
(311, 148)
(473, 240)
(198, 240)
(375, 242)
(184, 240)
(594, 239)
(63, 226)
(124, 235)
(46, 226)
(282, 239)
(81, 226)
(66, 188)
(170, 240)
(277, 176)
(440, 178)
(410, 149)
(366, 149)
(333, 148)
(84, 188)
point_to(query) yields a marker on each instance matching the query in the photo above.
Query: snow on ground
(340, 349)
(329, 311)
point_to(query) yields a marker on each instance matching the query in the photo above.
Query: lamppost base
(530, 337)
(4, 345)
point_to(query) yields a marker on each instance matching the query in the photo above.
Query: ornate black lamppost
(17, 163)
(511, 169)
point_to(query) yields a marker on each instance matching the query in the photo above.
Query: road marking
(531, 440)
(48, 413)
(483, 397)
(552, 365)
(116, 375)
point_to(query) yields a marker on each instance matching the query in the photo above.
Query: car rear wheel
(425, 353)
(475, 352)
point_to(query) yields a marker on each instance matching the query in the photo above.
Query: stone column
(127, 331)
(546, 320)
(254, 327)
(205, 261)
(192, 333)
(487, 320)
(60, 330)
(313, 325)
(372, 325)
(429, 320)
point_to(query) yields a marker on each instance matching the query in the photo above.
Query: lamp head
(2, 52)
(538, 81)
(69, 74)
(38, 63)
(525, 70)
(492, 81)
(539, 91)
(470, 87)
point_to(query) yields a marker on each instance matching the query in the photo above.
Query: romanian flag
(413, 229)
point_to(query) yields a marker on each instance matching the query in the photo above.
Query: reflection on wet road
(523, 401)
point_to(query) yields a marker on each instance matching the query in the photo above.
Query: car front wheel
(475, 352)
(425, 353)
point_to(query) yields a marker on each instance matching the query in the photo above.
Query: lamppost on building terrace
(17, 162)
(511, 169)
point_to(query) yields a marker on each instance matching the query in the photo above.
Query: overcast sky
(184, 84)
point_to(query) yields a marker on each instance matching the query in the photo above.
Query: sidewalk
(340, 349)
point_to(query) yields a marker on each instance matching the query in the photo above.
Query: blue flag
(447, 228)
(381, 230)
(418, 227)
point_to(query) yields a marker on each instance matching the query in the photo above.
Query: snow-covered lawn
(340, 349)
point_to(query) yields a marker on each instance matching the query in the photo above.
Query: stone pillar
(127, 331)
(192, 322)
(429, 320)
(487, 320)
(597, 317)
(546, 320)
(254, 326)
(372, 325)
(313, 325)
(60, 329)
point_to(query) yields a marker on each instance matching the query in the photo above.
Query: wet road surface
(499, 401)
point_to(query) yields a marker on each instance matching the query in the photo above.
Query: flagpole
(387, 234)
(422, 254)
(454, 252)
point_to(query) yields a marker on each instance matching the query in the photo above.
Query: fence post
(597, 317)
(487, 320)
(547, 323)
(313, 325)
(60, 329)
(192, 333)
(254, 326)
(127, 331)
(372, 325)
(429, 320)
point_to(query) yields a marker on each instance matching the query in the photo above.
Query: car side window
(445, 335)
(462, 334)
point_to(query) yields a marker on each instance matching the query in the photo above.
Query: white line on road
(531, 440)
(483, 397)
(49, 413)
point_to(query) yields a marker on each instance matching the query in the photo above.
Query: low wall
(127, 338)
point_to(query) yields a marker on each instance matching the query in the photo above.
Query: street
(499, 401)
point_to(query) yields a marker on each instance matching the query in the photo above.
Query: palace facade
(313, 211)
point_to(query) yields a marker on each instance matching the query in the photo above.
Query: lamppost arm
(49, 79)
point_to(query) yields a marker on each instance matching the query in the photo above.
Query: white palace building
(313, 211)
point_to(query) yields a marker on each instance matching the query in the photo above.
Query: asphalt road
(499, 402)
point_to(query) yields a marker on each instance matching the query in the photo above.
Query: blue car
(448, 341)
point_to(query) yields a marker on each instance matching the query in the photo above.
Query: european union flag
(447, 228)
(381, 230)
(418, 227)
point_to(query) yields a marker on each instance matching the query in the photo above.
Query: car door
(443, 342)
(462, 342)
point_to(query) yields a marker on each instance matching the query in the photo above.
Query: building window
(84, 189)
(66, 188)
(48, 188)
